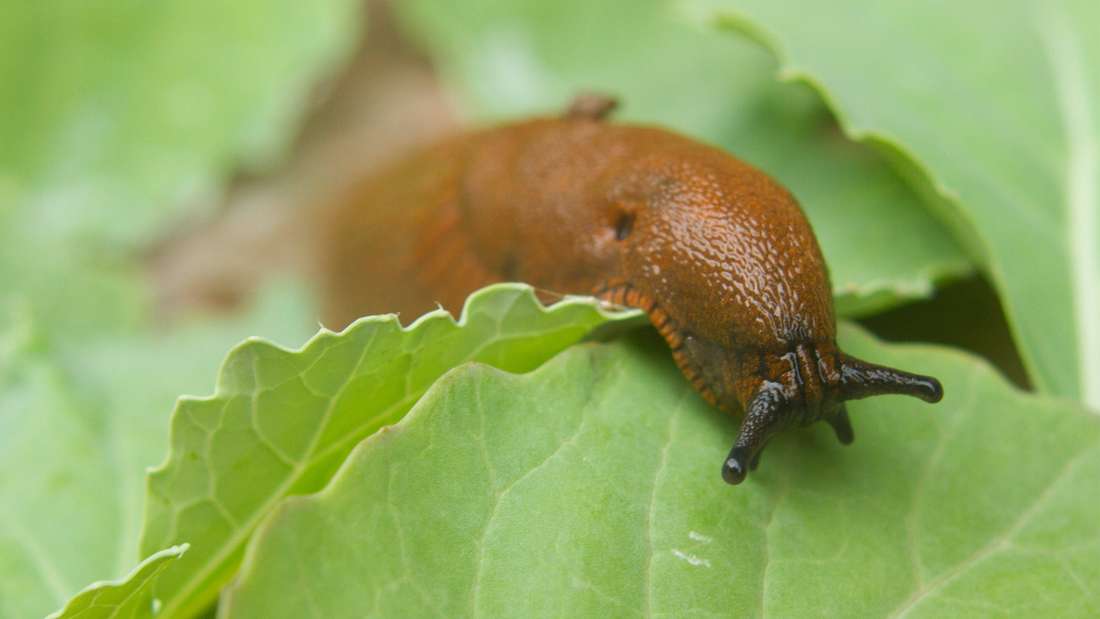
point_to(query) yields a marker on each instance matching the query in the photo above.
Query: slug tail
(860, 379)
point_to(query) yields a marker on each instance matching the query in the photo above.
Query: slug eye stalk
(859, 379)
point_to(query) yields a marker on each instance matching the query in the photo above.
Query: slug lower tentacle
(716, 252)
(842, 425)
(763, 418)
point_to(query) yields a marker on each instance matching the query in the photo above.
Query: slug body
(717, 253)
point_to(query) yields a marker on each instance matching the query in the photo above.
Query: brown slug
(717, 253)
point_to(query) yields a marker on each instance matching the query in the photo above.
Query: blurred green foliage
(117, 113)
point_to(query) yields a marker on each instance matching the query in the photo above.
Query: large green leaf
(591, 488)
(79, 424)
(997, 102)
(510, 58)
(129, 597)
(281, 422)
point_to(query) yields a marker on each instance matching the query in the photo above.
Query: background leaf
(591, 488)
(78, 427)
(130, 597)
(118, 111)
(1004, 121)
(509, 59)
(120, 115)
(281, 422)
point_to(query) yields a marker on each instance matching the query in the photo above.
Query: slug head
(807, 384)
(726, 264)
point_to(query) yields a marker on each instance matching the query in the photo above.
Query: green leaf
(79, 424)
(129, 597)
(281, 422)
(115, 113)
(511, 58)
(996, 102)
(591, 487)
